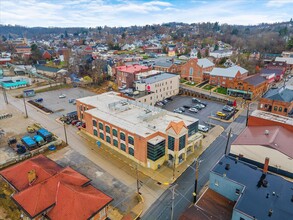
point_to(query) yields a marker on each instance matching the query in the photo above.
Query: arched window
(123, 147)
(95, 132)
(131, 151)
(102, 135)
(107, 129)
(122, 136)
(130, 140)
(191, 71)
(114, 132)
(108, 139)
(115, 143)
(101, 126)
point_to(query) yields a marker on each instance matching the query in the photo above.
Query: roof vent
(267, 132)
(268, 195)
(292, 198)
(227, 167)
(270, 212)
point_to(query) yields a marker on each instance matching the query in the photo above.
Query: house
(44, 189)
(128, 47)
(47, 55)
(193, 53)
(272, 75)
(249, 87)
(196, 70)
(278, 101)
(146, 134)
(221, 53)
(255, 143)
(125, 75)
(167, 65)
(222, 76)
(240, 191)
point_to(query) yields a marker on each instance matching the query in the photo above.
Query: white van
(203, 128)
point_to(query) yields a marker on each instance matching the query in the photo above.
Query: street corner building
(148, 135)
(45, 190)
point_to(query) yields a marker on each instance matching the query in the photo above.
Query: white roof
(137, 118)
(228, 72)
(205, 63)
(288, 60)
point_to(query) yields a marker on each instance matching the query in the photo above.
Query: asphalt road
(161, 209)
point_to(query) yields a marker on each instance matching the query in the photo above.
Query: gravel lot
(202, 115)
(61, 106)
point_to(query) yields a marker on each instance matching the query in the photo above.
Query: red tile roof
(60, 191)
(84, 202)
(132, 68)
(277, 138)
(44, 167)
(36, 199)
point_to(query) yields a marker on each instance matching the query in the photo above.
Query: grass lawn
(221, 90)
(183, 80)
(208, 87)
(191, 83)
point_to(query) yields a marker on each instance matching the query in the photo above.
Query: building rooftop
(159, 77)
(137, 118)
(47, 68)
(204, 62)
(275, 137)
(281, 94)
(211, 205)
(276, 195)
(132, 68)
(255, 80)
(288, 60)
(271, 71)
(272, 117)
(62, 193)
(228, 72)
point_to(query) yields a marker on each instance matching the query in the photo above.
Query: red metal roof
(77, 203)
(132, 68)
(44, 167)
(277, 138)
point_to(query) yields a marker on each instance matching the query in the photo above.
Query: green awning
(239, 91)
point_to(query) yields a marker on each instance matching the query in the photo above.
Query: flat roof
(159, 77)
(137, 118)
(257, 201)
(272, 117)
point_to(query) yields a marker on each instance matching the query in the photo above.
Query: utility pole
(137, 181)
(195, 182)
(247, 114)
(65, 133)
(172, 188)
(174, 166)
(227, 144)
(5, 95)
(26, 116)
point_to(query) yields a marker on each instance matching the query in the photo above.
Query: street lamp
(228, 139)
(26, 116)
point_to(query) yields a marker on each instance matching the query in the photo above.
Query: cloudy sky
(92, 13)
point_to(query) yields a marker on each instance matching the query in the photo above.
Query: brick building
(196, 70)
(278, 101)
(223, 76)
(145, 134)
(22, 49)
(125, 75)
(249, 87)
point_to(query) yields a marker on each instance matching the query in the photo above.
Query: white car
(194, 110)
(62, 96)
(203, 128)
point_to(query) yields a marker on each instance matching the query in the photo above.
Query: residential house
(193, 53)
(145, 134)
(278, 101)
(47, 55)
(223, 76)
(196, 70)
(45, 190)
(128, 47)
(47, 71)
(249, 87)
(255, 143)
(287, 54)
(125, 75)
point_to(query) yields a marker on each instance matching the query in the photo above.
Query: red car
(74, 122)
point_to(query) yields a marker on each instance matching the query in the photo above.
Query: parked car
(160, 104)
(194, 110)
(170, 99)
(221, 114)
(198, 106)
(165, 101)
(230, 103)
(195, 100)
(62, 96)
(79, 123)
(71, 100)
(74, 122)
(228, 108)
(30, 129)
(187, 106)
(203, 128)
(39, 100)
(177, 110)
(182, 109)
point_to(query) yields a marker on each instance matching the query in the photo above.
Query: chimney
(266, 165)
(270, 212)
(267, 132)
(32, 176)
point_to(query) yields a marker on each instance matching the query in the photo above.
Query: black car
(196, 100)
(182, 109)
(186, 106)
(230, 103)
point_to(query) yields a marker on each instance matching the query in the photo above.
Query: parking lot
(61, 106)
(202, 115)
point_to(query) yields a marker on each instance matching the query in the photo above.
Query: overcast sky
(92, 13)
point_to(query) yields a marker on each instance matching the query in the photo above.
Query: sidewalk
(164, 175)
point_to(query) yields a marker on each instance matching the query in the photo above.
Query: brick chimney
(266, 165)
(32, 176)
